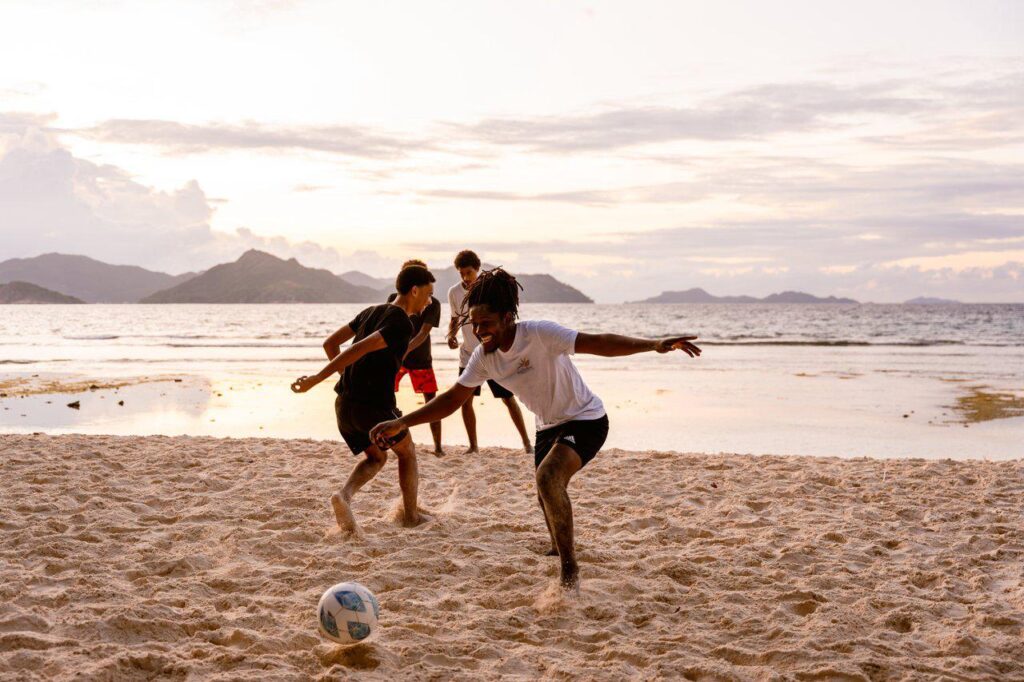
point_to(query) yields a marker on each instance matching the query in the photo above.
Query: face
(421, 297)
(490, 327)
(468, 275)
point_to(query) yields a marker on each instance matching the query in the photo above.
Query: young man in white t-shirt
(467, 264)
(532, 359)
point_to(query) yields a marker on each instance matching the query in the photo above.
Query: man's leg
(554, 548)
(408, 481)
(435, 428)
(553, 477)
(517, 419)
(363, 472)
(469, 418)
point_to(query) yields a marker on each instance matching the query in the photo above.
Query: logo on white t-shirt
(524, 366)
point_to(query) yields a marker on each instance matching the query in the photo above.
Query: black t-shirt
(420, 357)
(370, 380)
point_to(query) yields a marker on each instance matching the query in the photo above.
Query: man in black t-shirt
(380, 338)
(418, 362)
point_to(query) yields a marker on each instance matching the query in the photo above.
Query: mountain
(536, 288)
(928, 300)
(258, 277)
(701, 296)
(24, 292)
(90, 280)
(361, 279)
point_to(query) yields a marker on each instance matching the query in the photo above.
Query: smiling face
(421, 297)
(490, 327)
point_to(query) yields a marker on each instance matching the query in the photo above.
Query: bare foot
(570, 578)
(528, 448)
(419, 519)
(343, 514)
(439, 452)
(551, 552)
(472, 450)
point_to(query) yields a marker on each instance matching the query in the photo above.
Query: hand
(453, 342)
(303, 384)
(678, 343)
(382, 433)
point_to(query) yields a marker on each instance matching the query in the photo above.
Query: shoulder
(453, 290)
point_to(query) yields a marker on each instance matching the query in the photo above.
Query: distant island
(700, 296)
(256, 277)
(24, 292)
(90, 280)
(259, 277)
(928, 300)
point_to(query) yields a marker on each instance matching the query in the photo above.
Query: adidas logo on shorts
(570, 438)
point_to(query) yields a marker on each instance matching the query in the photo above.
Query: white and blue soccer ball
(348, 613)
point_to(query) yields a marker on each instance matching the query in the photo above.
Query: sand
(136, 558)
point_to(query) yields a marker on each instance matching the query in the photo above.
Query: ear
(507, 319)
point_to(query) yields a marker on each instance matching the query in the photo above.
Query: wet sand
(137, 557)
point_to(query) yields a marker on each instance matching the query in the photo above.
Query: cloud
(51, 200)
(184, 138)
(743, 114)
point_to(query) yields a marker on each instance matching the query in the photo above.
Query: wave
(96, 337)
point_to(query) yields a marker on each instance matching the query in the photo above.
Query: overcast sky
(864, 149)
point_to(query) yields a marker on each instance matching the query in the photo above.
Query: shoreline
(137, 556)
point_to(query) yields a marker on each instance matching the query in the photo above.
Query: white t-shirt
(469, 341)
(538, 370)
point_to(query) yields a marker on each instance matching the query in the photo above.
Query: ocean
(844, 380)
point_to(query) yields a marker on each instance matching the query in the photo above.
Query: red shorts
(423, 380)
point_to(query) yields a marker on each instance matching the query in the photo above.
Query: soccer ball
(347, 613)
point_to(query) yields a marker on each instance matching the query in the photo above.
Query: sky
(873, 149)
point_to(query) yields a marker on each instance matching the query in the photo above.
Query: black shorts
(497, 390)
(356, 419)
(585, 436)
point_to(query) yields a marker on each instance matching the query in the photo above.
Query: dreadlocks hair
(496, 289)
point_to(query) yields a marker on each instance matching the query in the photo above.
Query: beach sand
(139, 557)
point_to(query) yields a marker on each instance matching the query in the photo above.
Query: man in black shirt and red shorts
(380, 338)
(419, 362)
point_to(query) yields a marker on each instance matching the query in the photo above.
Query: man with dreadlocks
(467, 264)
(532, 359)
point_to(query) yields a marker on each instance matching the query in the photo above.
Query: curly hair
(496, 289)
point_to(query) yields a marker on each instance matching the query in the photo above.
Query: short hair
(413, 276)
(467, 259)
(413, 261)
(496, 289)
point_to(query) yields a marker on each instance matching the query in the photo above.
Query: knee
(376, 456)
(548, 480)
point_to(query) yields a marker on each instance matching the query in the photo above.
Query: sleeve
(452, 303)
(475, 374)
(433, 314)
(556, 338)
(396, 332)
(357, 321)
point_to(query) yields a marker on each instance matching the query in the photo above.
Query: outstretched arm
(332, 346)
(357, 350)
(437, 409)
(615, 345)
